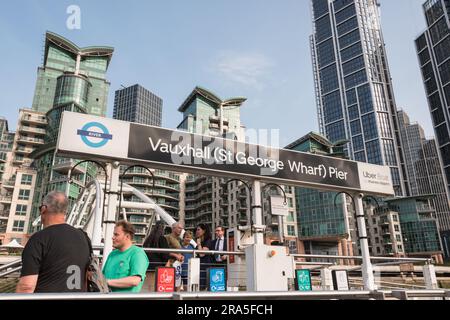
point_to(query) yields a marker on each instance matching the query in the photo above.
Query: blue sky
(253, 48)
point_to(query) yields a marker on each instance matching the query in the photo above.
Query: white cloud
(248, 69)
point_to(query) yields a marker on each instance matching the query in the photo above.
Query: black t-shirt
(59, 255)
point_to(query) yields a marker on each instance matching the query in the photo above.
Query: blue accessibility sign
(217, 280)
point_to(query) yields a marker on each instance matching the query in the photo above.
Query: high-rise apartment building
(207, 199)
(425, 173)
(353, 86)
(19, 178)
(139, 105)
(433, 48)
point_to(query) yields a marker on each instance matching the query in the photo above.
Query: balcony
(5, 199)
(35, 119)
(4, 214)
(9, 184)
(33, 130)
(29, 140)
(63, 167)
(424, 208)
(24, 150)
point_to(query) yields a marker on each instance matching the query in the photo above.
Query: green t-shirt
(132, 262)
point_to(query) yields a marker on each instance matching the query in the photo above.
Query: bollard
(429, 274)
(326, 279)
(193, 275)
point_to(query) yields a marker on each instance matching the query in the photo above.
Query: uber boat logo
(97, 138)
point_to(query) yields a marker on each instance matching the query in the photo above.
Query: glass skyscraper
(71, 79)
(353, 85)
(62, 56)
(425, 173)
(433, 48)
(137, 104)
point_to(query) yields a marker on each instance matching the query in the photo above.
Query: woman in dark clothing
(156, 239)
(204, 242)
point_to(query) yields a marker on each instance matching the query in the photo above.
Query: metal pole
(281, 229)
(112, 207)
(257, 212)
(366, 268)
(221, 120)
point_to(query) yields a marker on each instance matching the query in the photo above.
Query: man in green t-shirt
(126, 266)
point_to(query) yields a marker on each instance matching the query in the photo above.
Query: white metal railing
(312, 295)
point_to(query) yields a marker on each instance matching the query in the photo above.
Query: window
(291, 230)
(358, 143)
(325, 53)
(370, 126)
(329, 79)
(27, 179)
(356, 79)
(373, 152)
(21, 210)
(24, 194)
(398, 237)
(400, 248)
(293, 247)
(18, 226)
(290, 202)
(395, 218)
(332, 107)
(336, 131)
(397, 228)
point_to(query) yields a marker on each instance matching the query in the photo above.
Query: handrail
(8, 272)
(290, 295)
(336, 257)
(11, 264)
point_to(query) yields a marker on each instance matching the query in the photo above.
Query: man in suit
(220, 244)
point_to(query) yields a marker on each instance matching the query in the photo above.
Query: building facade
(384, 232)
(73, 79)
(433, 49)
(353, 84)
(425, 173)
(19, 178)
(139, 105)
(61, 56)
(325, 219)
(419, 226)
(211, 200)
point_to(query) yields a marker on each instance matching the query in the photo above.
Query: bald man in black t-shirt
(55, 259)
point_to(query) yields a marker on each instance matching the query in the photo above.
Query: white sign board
(278, 207)
(340, 280)
(85, 136)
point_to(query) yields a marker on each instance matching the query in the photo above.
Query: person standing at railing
(156, 240)
(126, 267)
(55, 259)
(174, 242)
(204, 243)
(220, 244)
(187, 238)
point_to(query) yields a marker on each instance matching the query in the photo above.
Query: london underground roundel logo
(94, 134)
